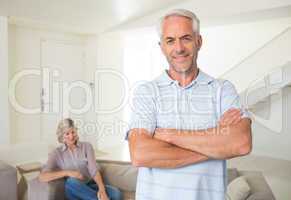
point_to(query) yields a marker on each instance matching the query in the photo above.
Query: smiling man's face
(179, 43)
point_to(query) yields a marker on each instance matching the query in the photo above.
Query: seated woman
(75, 161)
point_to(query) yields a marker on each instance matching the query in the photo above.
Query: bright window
(143, 60)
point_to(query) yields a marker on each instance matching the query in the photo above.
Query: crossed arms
(171, 148)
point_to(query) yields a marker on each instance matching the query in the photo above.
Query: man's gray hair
(183, 13)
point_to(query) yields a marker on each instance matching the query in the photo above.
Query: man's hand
(101, 194)
(75, 174)
(230, 138)
(164, 134)
(230, 117)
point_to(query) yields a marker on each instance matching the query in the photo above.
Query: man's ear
(199, 42)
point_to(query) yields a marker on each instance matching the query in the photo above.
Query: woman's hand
(102, 195)
(75, 174)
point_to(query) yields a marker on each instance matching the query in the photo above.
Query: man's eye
(170, 41)
(187, 39)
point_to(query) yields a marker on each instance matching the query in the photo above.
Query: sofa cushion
(260, 196)
(122, 176)
(128, 195)
(238, 189)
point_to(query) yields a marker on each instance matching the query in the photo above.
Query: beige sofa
(118, 174)
(8, 182)
(124, 175)
(259, 188)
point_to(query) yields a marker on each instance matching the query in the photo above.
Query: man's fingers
(229, 113)
(232, 110)
(237, 120)
(231, 116)
(233, 119)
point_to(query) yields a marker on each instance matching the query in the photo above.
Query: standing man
(185, 124)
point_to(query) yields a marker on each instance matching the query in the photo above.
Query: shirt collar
(164, 79)
(203, 78)
(64, 147)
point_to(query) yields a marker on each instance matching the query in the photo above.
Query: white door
(63, 64)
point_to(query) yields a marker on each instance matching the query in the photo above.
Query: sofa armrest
(8, 182)
(53, 190)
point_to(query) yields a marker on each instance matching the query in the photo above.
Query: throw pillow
(238, 189)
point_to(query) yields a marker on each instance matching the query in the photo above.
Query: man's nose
(179, 47)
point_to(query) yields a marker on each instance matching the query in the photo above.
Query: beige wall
(109, 88)
(103, 52)
(4, 105)
(25, 54)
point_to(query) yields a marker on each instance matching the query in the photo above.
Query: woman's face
(70, 137)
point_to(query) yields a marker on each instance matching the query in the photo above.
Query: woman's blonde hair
(63, 126)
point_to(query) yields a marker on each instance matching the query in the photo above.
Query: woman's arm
(99, 181)
(94, 170)
(51, 170)
(53, 175)
(101, 187)
(50, 176)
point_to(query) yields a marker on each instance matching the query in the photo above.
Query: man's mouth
(181, 58)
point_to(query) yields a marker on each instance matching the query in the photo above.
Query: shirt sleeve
(143, 109)
(93, 167)
(229, 98)
(51, 164)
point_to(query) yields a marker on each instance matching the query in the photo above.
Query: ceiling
(96, 16)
